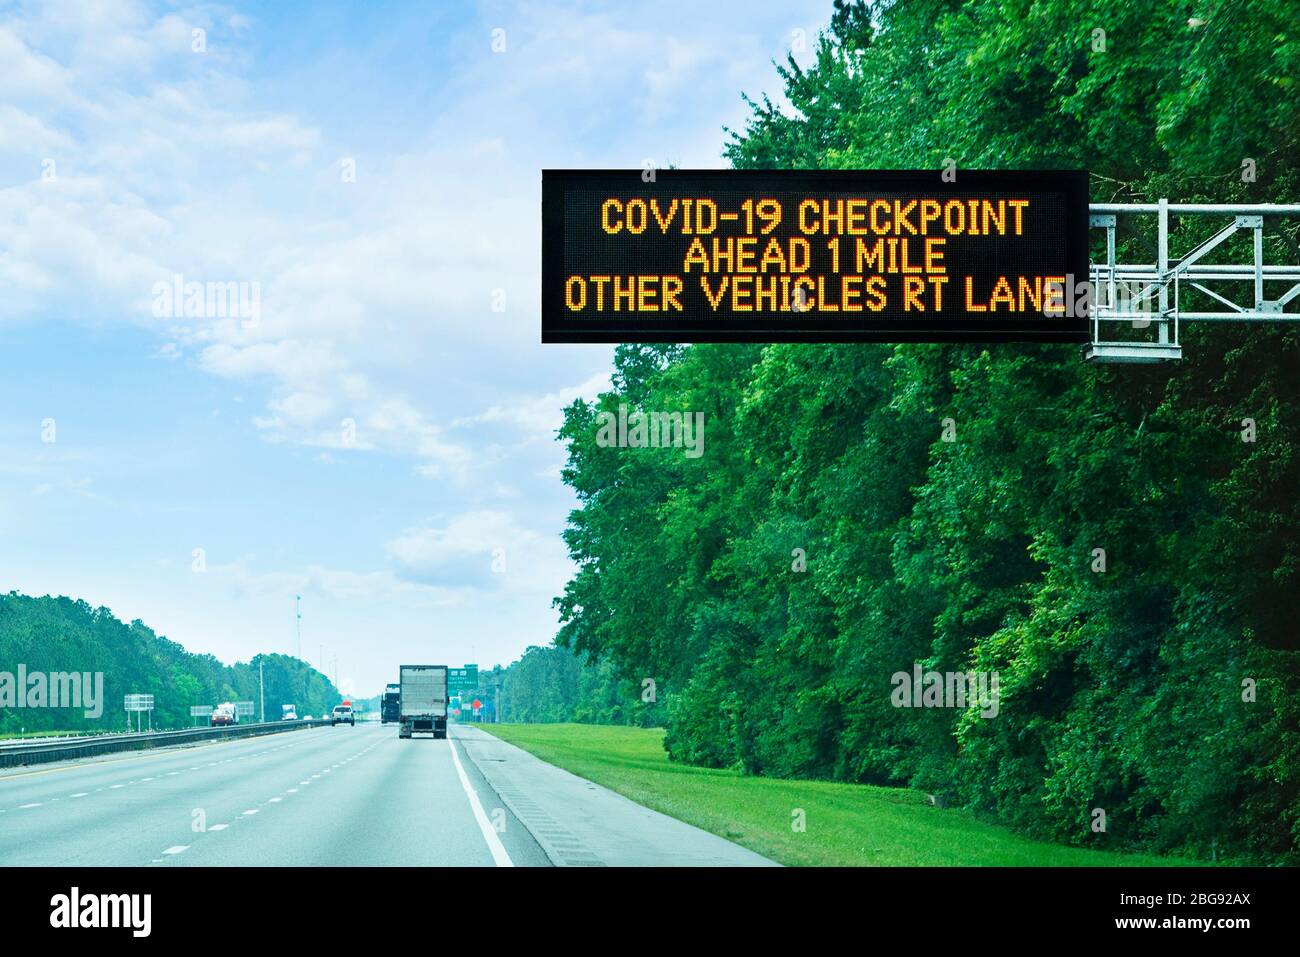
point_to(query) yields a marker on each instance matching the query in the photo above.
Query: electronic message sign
(814, 256)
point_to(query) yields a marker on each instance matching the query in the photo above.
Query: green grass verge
(847, 824)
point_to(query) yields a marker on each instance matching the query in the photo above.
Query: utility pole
(261, 687)
(297, 610)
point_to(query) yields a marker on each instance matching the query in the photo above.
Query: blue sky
(380, 440)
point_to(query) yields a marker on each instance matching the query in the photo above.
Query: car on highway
(308, 718)
(343, 714)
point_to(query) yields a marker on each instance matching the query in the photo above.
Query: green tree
(1121, 689)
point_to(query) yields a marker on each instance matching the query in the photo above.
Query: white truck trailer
(423, 700)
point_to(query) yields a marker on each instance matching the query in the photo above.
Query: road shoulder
(580, 824)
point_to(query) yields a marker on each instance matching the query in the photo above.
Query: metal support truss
(1154, 298)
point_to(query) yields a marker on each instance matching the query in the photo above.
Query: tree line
(1120, 545)
(50, 634)
(552, 684)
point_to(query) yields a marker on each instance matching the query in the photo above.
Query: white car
(343, 715)
(309, 718)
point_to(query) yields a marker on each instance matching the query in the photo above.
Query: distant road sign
(138, 702)
(244, 709)
(200, 710)
(477, 704)
(462, 680)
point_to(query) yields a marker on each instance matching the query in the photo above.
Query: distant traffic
(421, 701)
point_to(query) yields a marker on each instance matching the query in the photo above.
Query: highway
(332, 797)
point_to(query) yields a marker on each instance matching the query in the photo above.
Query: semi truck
(390, 708)
(422, 704)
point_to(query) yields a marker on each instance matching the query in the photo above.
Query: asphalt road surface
(328, 797)
(333, 797)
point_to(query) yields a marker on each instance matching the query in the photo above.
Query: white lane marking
(79, 794)
(22, 806)
(218, 827)
(114, 787)
(490, 835)
(253, 811)
(176, 849)
(291, 791)
(275, 800)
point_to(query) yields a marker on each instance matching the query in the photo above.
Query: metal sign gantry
(1155, 298)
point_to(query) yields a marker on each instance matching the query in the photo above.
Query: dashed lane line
(178, 848)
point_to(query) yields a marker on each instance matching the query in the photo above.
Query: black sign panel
(814, 256)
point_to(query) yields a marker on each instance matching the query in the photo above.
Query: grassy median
(847, 824)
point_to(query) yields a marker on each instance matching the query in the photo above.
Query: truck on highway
(288, 712)
(390, 707)
(225, 713)
(423, 700)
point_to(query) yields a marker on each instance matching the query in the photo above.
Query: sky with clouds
(377, 435)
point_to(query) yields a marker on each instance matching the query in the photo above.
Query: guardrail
(18, 753)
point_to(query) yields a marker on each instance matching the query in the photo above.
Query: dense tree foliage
(63, 635)
(552, 684)
(1128, 689)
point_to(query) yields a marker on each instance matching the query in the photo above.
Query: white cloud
(20, 132)
(375, 296)
(372, 292)
(484, 549)
(23, 71)
(541, 415)
(240, 581)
